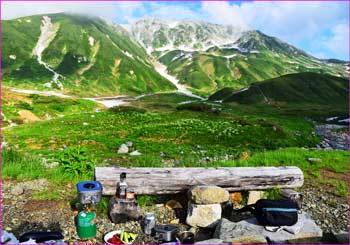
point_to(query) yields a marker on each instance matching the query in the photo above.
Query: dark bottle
(122, 186)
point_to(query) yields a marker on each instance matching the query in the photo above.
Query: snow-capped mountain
(159, 35)
(205, 56)
(86, 55)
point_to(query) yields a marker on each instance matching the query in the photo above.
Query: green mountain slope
(300, 88)
(207, 63)
(79, 54)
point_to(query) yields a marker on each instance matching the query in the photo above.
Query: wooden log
(174, 180)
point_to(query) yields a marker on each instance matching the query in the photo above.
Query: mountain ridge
(90, 57)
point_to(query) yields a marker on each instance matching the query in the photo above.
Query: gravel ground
(23, 214)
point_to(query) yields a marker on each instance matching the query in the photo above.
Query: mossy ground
(170, 135)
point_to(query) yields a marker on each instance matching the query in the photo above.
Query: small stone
(173, 204)
(208, 194)
(123, 149)
(129, 144)
(205, 216)
(135, 153)
(314, 160)
(236, 197)
(175, 221)
(254, 196)
(18, 190)
(85, 123)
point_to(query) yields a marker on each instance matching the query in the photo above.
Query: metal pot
(185, 237)
(165, 233)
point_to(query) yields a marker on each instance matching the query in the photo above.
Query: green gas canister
(86, 224)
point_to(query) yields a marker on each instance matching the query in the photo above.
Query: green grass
(341, 188)
(21, 166)
(47, 195)
(43, 107)
(335, 161)
(176, 134)
(167, 137)
(300, 88)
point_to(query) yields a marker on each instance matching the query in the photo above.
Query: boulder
(123, 210)
(205, 216)
(232, 231)
(208, 195)
(254, 196)
(123, 149)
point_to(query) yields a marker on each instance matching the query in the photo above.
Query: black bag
(274, 212)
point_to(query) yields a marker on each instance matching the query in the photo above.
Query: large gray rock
(123, 210)
(208, 195)
(205, 216)
(228, 231)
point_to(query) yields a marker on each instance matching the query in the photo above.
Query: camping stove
(89, 192)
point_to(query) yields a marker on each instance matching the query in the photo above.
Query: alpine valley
(79, 92)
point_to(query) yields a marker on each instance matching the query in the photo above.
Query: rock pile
(125, 148)
(204, 206)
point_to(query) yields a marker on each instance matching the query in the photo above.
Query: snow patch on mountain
(48, 33)
(91, 41)
(162, 70)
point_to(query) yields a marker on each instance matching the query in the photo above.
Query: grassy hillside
(297, 88)
(21, 108)
(92, 57)
(207, 72)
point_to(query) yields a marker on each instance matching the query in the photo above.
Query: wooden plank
(174, 180)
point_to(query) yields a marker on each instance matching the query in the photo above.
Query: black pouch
(274, 212)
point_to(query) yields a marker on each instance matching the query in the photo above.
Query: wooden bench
(175, 180)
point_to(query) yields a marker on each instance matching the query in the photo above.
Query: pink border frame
(1, 227)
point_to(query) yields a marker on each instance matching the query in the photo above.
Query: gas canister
(86, 224)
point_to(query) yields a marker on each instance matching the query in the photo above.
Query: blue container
(89, 192)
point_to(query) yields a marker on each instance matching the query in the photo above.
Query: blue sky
(319, 28)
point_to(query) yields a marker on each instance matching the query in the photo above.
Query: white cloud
(173, 12)
(339, 42)
(224, 13)
(288, 20)
(106, 10)
(12, 10)
(323, 26)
